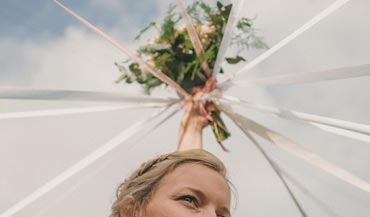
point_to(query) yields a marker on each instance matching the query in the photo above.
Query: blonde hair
(144, 181)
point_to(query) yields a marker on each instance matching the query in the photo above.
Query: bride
(190, 182)
(181, 184)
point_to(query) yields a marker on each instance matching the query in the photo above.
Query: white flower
(205, 29)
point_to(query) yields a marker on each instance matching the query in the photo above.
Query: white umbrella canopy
(44, 48)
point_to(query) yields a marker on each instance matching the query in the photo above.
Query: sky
(43, 47)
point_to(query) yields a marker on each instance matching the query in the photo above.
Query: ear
(127, 208)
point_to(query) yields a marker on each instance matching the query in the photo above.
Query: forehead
(195, 176)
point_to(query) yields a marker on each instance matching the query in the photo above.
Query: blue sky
(43, 19)
(29, 27)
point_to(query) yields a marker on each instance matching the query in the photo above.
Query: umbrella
(256, 185)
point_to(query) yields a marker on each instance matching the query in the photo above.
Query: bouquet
(173, 53)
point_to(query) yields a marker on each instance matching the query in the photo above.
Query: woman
(181, 184)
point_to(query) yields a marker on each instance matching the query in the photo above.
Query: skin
(192, 126)
(191, 190)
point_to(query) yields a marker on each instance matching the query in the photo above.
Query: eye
(189, 199)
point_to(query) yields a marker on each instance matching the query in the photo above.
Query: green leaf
(219, 5)
(211, 53)
(218, 127)
(145, 29)
(134, 68)
(235, 60)
(195, 69)
(186, 70)
(173, 53)
(227, 11)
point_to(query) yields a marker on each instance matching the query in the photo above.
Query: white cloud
(76, 60)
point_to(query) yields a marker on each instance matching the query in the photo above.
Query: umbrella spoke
(283, 175)
(194, 38)
(160, 75)
(293, 148)
(323, 14)
(142, 136)
(82, 164)
(73, 95)
(307, 193)
(306, 77)
(73, 111)
(278, 173)
(346, 133)
(315, 120)
(228, 34)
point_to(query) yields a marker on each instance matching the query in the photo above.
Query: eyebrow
(200, 194)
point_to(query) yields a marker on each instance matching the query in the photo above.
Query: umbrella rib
(306, 117)
(148, 131)
(296, 150)
(230, 26)
(194, 38)
(82, 164)
(160, 75)
(346, 133)
(306, 192)
(323, 14)
(73, 111)
(278, 173)
(284, 175)
(75, 95)
(306, 77)
(142, 136)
